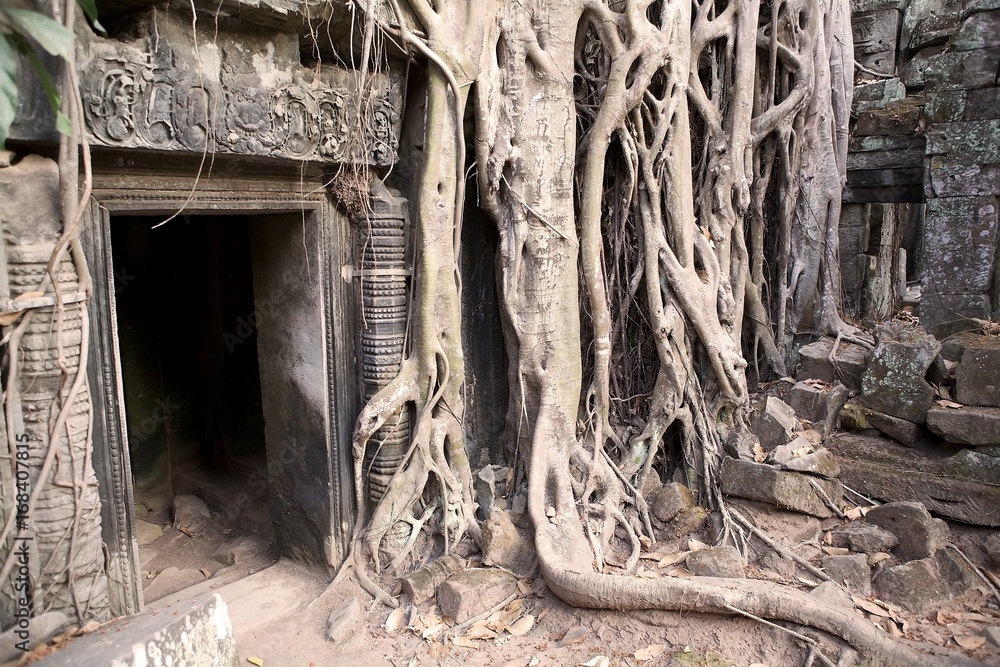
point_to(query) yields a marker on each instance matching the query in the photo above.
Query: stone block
(914, 586)
(670, 499)
(785, 489)
(819, 405)
(875, 32)
(146, 532)
(34, 179)
(960, 238)
(506, 545)
(892, 159)
(193, 632)
(724, 561)
(191, 515)
(863, 537)
(773, 423)
(820, 463)
(862, 6)
(343, 620)
(851, 570)
(968, 425)
(977, 377)
(858, 417)
(913, 73)
(958, 576)
(854, 237)
(422, 584)
(782, 454)
(894, 381)
(883, 62)
(973, 139)
(983, 103)
(992, 547)
(688, 520)
(945, 315)
(979, 31)
(849, 367)
(471, 592)
(240, 549)
(952, 176)
(946, 106)
(896, 119)
(955, 70)
(877, 94)
(961, 486)
(919, 534)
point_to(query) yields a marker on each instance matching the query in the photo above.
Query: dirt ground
(563, 635)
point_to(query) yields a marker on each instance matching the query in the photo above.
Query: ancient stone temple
(222, 355)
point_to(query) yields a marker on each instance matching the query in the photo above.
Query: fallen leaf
(970, 642)
(673, 559)
(649, 574)
(695, 545)
(205, 572)
(523, 587)
(433, 631)
(870, 607)
(681, 572)
(652, 555)
(966, 616)
(808, 582)
(534, 661)
(437, 650)
(574, 635)
(878, 557)
(480, 630)
(854, 513)
(396, 620)
(933, 637)
(650, 652)
(836, 551)
(464, 642)
(256, 661)
(759, 453)
(597, 661)
(543, 614)
(949, 404)
(942, 617)
(550, 511)
(521, 626)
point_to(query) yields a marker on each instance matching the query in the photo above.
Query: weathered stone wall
(927, 105)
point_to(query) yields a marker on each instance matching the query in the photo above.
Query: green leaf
(90, 9)
(51, 92)
(8, 89)
(51, 35)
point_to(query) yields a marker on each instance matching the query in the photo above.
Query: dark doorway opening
(187, 329)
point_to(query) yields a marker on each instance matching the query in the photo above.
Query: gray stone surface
(957, 575)
(960, 486)
(194, 633)
(724, 561)
(992, 547)
(191, 515)
(820, 463)
(948, 314)
(818, 405)
(343, 620)
(977, 377)
(894, 381)
(670, 499)
(914, 586)
(875, 32)
(858, 417)
(960, 233)
(146, 532)
(992, 634)
(968, 425)
(788, 490)
(863, 537)
(421, 585)
(833, 595)
(952, 70)
(485, 486)
(918, 533)
(506, 545)
(26, 634)
(851, 361)
(852, 570)
(239, 550)
(877, 94)
(773, 423)
(471, 592)
(979, 31)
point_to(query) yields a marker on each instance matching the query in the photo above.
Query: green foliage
(20, 29)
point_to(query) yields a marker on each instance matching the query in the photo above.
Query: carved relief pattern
(133, 100)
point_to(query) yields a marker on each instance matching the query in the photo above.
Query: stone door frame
(123, 186)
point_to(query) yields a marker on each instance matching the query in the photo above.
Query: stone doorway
(187, 333)
(229, 375)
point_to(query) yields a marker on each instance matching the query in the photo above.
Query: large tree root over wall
(640, 158)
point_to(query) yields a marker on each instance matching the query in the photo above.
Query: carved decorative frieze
(152, 100)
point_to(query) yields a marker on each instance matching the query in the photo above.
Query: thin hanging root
(826, 499)
(780, 548)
